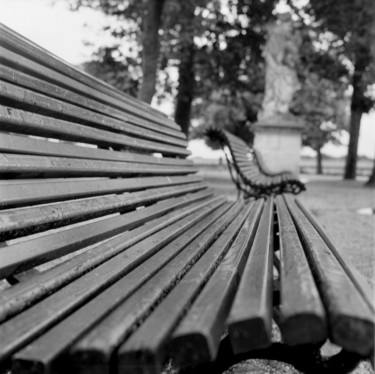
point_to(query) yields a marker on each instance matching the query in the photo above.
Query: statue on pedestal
(281, 56)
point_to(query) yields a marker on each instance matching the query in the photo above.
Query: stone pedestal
(278, 142)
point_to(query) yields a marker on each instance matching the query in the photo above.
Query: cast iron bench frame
(251, 176)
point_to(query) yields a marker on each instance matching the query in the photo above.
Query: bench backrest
(251, 177)
(73, 149)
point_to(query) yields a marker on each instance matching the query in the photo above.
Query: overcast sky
(50, 24)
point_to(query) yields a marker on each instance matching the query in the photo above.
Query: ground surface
(335, 202)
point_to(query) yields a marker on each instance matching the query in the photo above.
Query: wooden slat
(33, 101)
(147, 345)
(15, 193)
(36, 102)
(50, 347)
(34, 166)
(25, 327)
(351, 320)
(99, 344)
(25, 47)
(25, 145)
(27, 123)
(153, 218)
(20, 79)
(357, 278)
(197, 338)
(302, 317)
(249, 322)
(60, 73)
(23, 221)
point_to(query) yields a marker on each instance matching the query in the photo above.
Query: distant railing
(334, 170)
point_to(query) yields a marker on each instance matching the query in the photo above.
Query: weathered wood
(16, 193)
(25, 327)
(30, 146)
(23, 80)
(50, 347)
(30, 166)
(351, 320)
(23, 221)
(249, 321)
(21, 296)
(302, 317)
(103, 92)
(357, 278)
(21, 255)
(37, 102)
(147, 345)
(47, 106)
(98, 345)
(20, 121)
(197, 338)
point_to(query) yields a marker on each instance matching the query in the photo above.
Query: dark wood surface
(249, 321)
(351, 323)
(198, 336)
(302, 317)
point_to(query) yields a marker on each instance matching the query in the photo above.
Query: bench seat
(115, 256)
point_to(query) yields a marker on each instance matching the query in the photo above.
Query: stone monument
(278, 132)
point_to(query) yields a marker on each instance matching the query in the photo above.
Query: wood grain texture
(25, 327)
(17, 165)
(15, 193)
(351, 320)
(148, 345)
(25, 145)
(23, 80)
(302, 317)
(357, 278)
(197, 337)
(158, 217)
(40, 103)
(44, 103)
(99, 344)
(27, 220)
(249, 321)
(91, 86)
(24, 122)
(47, 350)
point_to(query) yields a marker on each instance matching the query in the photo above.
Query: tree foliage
(347, 30)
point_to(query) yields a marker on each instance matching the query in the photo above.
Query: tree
(230, 69)
(347, 25)
(317, 103)
(116, 69)
(151, 47)
(321, 100)
(139, 23)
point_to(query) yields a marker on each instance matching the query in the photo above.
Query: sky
(50, 24)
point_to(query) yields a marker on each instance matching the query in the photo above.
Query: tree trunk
(186, 79)
(151, 48)
(371, 180)
(319, 159)
(186, 84)
(355, 124)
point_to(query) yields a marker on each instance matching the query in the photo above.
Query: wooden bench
(115, 256)
(248, 170)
